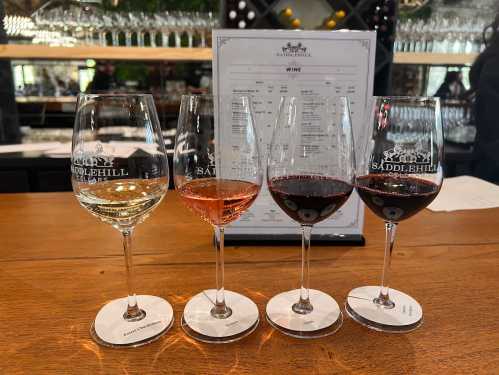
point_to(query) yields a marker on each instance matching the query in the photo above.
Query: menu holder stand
(293, 239)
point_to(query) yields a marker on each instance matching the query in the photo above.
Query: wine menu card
(269, 64)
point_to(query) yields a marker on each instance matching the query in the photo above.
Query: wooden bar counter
(59, 265)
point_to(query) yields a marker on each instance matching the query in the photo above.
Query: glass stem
(303, 306)
(220, 310)
(152, 38)
(384, 297)
(115, 38)
(203, 40)
(102, 38)
(128, 38)
(177, 39)
(164, 39)
(133, 312)
(140, 38)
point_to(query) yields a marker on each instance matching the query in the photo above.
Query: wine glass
(106, 28)
(310, 175)
(200, 25)
(187, 26)
(396, 179)
(218, 176)
(176, 27)
(121, 184)
(162, 21)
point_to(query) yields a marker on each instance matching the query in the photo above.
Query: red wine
(395, 198)
(309, 199)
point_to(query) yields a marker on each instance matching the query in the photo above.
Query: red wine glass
(310, 175)
(398, 174)
(218, 175)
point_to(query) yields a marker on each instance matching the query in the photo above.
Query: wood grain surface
(31, 51)
(434, 58)
(59, 265)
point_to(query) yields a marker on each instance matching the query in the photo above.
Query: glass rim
(211, 96)
(251, 100)
(407, 97)
(117, 95)
(313, 97)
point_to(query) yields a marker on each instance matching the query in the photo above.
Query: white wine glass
(218, 175)
(121, 183)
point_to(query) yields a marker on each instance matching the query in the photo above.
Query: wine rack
(380, 15)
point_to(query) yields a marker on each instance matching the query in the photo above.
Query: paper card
(269, 64)
(465, 193)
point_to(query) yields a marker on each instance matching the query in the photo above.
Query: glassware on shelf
(200, 26)
(176, 28)
(310, 175)
(218, 176)
(442, 33)
(106, 29)
(76, 26)
(87, 24)
(115, 32)
(164, 26)
(398, 174)
(122, 185)
(457, 121)
(155, 32)
(186, 24)
(66, 23)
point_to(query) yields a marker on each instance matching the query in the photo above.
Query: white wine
(122, 203)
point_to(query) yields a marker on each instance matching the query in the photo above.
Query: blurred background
(52, 50)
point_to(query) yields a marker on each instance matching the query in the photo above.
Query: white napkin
(465, 193)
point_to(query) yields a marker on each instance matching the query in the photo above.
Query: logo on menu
(294, 50)
(405, 160)
(94, 165)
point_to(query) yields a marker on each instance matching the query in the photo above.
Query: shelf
(428, 58)
(21, 51)
(46, 99)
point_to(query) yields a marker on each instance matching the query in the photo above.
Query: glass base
(199, 324)
(112, 330)
(405, 316)
(324, 319)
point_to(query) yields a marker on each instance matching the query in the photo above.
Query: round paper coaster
(197, 315)
(405, 316)
(113, 329)
(326, 311)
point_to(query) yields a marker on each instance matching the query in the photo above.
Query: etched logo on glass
(209, 170)
(401, 159)
(95, 165)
